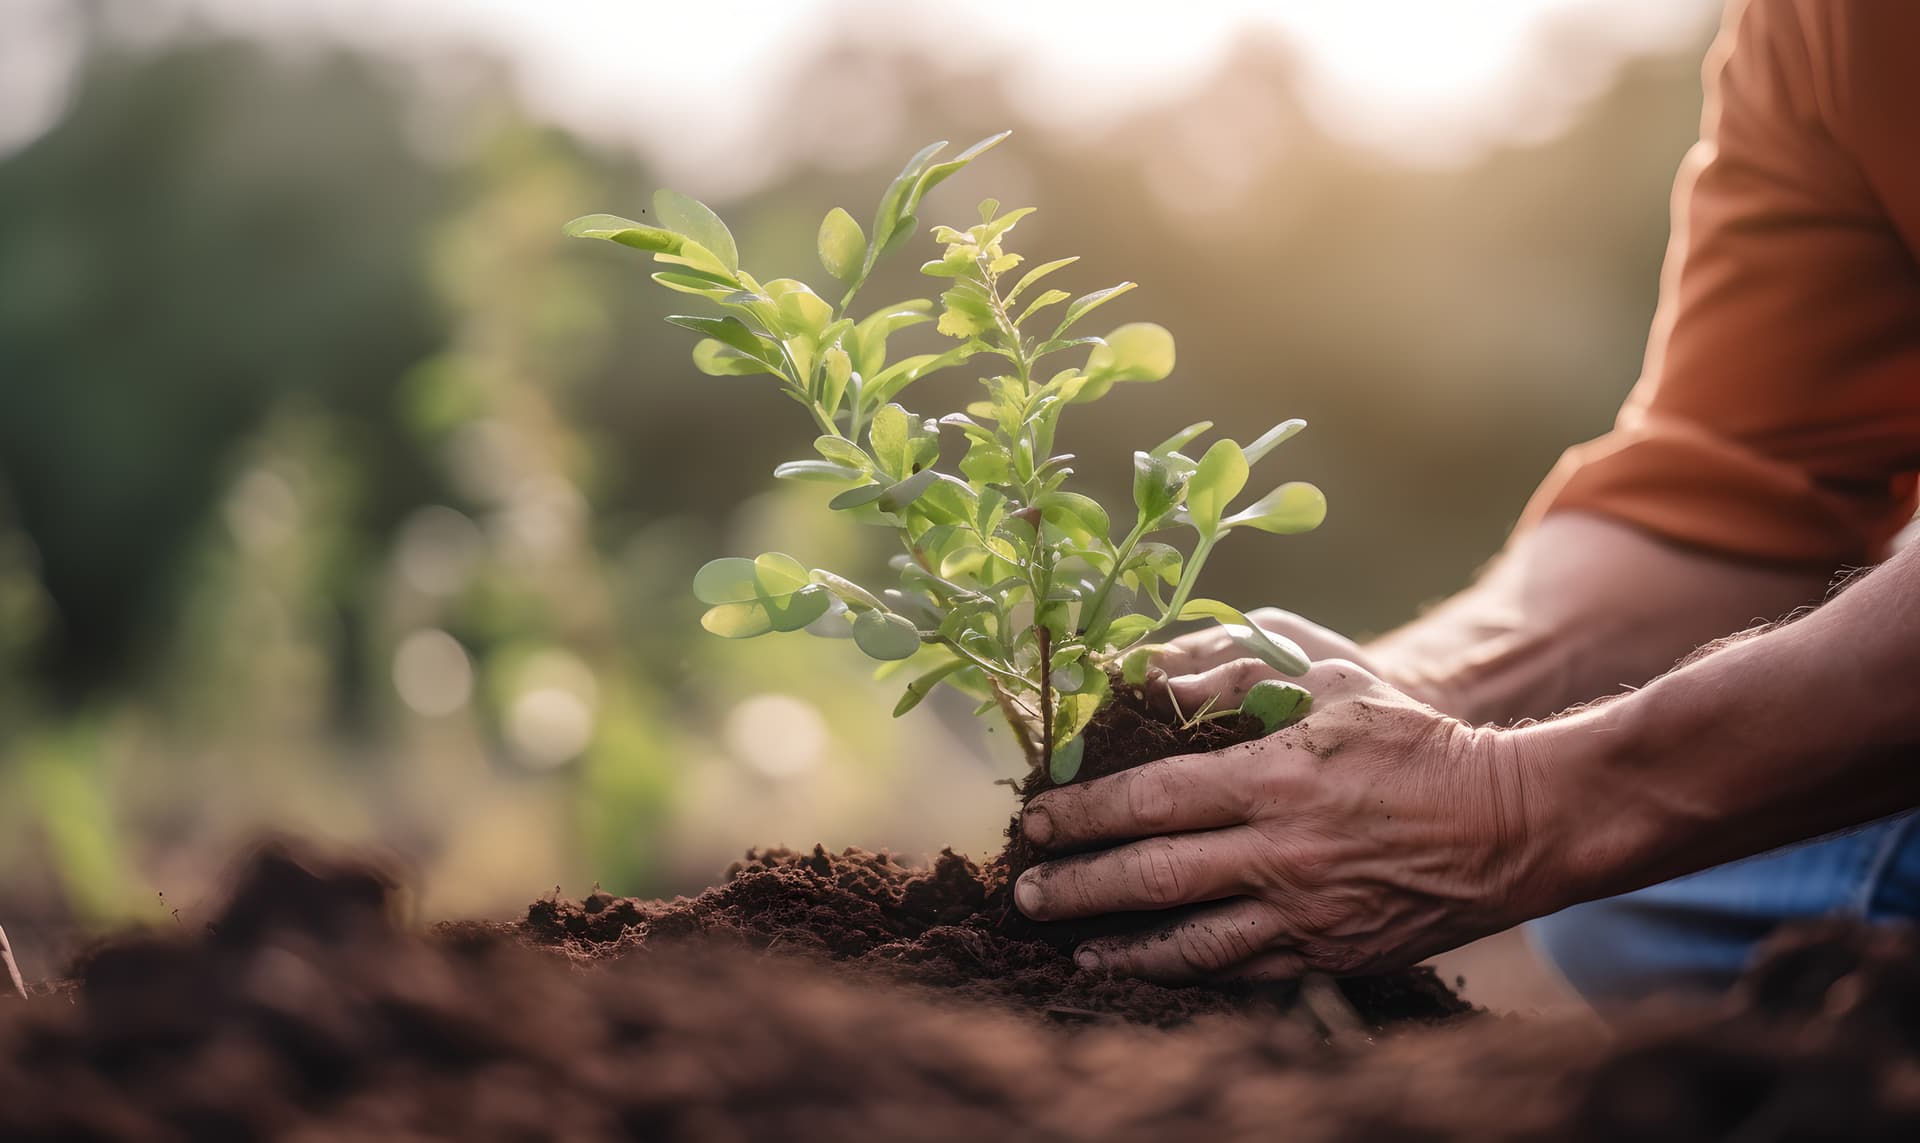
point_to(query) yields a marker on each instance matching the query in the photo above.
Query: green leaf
(842, 244)
(836, 369)
(851, 593)
(1139, 660)
(1179, 440)
(1276, 704)
(890, 440)
(841, 451)
(1034, 275)
(1276, 651)
(692, 282)
(885, 636)
(934, 175)
(855, 497)
(801, 608)
(691, 217)
(801, 312)
(1127, 628)
(730, 331)
(738, 620)
(1158, 560)
(726, 580)
(1064, 763)
(1220, 477)
(1294, 507)
(886, 219)
(1157, 484)
(919, 688)
(1137, 351)
(717, 359)
(776, 574)
(625, 231)
(1047, 298)
(1265, 442)
(871, 334)
(1087, 303)
(1067, 509)
(824, 471)
(905, 492)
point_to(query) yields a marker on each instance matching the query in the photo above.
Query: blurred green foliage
(339, 492)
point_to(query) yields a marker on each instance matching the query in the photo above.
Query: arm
(1576, 608)
(1776, 424)
(1379, 832)
(1769, 739)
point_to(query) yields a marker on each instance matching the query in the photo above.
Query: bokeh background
(340, 494)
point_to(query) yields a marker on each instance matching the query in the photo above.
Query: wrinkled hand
(1224, 673)
(1211, 647)
(1367, 837)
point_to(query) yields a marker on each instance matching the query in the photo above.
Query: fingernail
(1038, 825)
(1027, 895)
(1086, 957)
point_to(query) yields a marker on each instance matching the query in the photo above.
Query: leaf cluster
(1010, 586)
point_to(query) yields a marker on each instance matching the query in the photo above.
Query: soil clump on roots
(952, 927)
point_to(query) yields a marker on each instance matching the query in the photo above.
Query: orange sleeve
(1777, 417)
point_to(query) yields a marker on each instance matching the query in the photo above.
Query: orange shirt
(1777, 417)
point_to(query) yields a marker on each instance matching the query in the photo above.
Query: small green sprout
(1011, 587)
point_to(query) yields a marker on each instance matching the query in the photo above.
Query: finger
(1268, 966)
(1223, 687)
(1173, 795)
(1159, 873)
(1197, 651)
(1214, 941)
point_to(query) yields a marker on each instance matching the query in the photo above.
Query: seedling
(1011, 587)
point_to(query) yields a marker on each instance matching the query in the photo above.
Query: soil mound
(953, 926)
(950, 927)
(307, 1013)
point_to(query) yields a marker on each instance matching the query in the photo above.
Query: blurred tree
(206, 232)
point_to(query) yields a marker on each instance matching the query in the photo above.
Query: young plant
(1012, 587)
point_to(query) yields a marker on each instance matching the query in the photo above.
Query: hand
(1201, 651)
(1373, 834)
(1208, 665)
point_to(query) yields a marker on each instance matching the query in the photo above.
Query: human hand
(1221, 674)
(1200, 651)
(1369, 836)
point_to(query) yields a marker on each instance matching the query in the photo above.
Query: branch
(13, 969)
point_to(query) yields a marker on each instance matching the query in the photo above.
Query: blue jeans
(1696, 933)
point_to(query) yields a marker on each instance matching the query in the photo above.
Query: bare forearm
(1778, 737)
(1579, 608)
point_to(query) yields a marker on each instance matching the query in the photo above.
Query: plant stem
(1187, 580)
(1046, 694)
(1018, 724)
(13, 969)
(1095, 624)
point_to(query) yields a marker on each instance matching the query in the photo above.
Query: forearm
(1576, 609)
(1810, 727)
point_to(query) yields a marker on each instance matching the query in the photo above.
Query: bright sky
(1431, 80)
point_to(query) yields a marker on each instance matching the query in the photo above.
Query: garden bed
(952, 926)
(306, 1011)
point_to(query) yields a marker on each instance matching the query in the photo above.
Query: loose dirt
(308, 1012)
(952, 926)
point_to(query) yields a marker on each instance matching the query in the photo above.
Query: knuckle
(1338, 959)
(1211, 945)
(1153, 793)
(1159, 877)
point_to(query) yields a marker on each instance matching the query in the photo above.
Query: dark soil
(308, 1013)
(953, 926)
